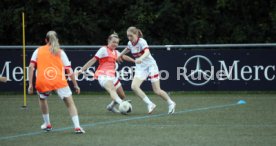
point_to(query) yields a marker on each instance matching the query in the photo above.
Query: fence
(236, 67)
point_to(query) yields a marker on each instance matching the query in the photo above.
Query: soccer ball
(125, 107)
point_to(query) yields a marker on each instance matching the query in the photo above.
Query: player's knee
(134, 87)
(113, 89)
(158, 92)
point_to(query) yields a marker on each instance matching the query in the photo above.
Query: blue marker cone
(241, 102)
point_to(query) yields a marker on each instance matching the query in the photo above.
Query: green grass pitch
(212, 119)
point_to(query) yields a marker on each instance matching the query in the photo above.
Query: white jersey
(137, 49)
(102, 53)
(148, 67)
(63, 56)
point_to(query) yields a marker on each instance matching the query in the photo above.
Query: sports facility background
(229, 35)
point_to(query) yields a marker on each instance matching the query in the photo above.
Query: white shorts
(143, 72)
(62, 93)
(103, 79)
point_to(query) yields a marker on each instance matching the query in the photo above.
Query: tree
(89, 22)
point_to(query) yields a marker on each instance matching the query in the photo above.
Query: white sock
(118, 100)
(76, 121)
(170, 101)
(147, 100)
(46, 118)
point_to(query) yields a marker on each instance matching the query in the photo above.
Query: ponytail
(140, 34)
(53, 41)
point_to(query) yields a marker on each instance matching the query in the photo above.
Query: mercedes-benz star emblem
(202, 73)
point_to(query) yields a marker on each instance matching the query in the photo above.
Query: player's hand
(77, 89)
(30, 89)
(138, 61)
(3, 79)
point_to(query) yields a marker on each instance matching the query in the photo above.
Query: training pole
(24, 61)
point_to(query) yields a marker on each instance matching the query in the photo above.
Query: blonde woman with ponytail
(106, 71)
(146, 67)
(50, 62)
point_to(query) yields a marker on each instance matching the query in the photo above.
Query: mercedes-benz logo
(203, 70)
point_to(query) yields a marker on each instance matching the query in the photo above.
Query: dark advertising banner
(180, 69)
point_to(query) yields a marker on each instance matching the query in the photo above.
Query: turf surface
(201, 119)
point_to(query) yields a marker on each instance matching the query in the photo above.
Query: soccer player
(50, 62)
(105, 73)
(119, 88)
(145, 67)
(3, 79)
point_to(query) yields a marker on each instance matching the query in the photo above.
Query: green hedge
(89, 22)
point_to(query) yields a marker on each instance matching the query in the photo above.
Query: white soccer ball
(125, 107)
